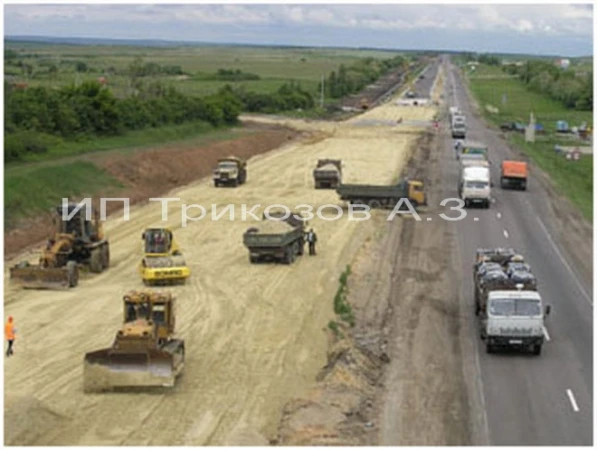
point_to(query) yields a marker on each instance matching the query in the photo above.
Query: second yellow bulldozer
(144, 352)
(76, 242)
(162, 262)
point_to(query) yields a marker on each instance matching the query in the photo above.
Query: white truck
(458, 126)
(475, 186)
(509, 307)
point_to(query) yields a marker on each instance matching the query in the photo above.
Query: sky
(552, 29)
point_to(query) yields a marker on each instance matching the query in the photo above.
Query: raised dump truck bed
(274, 240)
(383, 196)
(327, 174)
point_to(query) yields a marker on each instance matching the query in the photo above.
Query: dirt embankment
(406, 309)
(156, 171)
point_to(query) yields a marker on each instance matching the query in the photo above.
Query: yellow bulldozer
(76, 242)
(144, 352)
(162, 262)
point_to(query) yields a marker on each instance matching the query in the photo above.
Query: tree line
(33, 116)
(352, 79)
(573, 89)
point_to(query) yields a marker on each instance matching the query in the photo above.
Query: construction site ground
(256, 335)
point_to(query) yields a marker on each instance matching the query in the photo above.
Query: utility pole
(322, 91)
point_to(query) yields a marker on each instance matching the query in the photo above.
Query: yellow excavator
(76, 242)
(144, 352)
(162, 262)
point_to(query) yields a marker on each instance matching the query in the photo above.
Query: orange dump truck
(514, 175)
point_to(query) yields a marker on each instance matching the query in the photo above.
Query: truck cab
(475, 186)
(514, 318)
(416, 192)
(230, 171)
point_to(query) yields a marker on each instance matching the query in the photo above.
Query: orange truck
(514, 175)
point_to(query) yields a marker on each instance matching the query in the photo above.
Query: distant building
(563, 63)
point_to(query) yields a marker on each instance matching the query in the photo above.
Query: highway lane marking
(506, 235)
(547, 338)
(555, 247)
(499, 215)
(572, 400)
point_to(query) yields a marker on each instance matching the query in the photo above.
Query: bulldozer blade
(35, 277)
(106, 370)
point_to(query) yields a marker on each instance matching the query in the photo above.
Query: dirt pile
(336, 412)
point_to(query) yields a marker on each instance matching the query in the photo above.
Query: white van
(475, 186)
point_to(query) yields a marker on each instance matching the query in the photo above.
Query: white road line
(499, 215)
(547, 338)
(506, 235)
(555, 247)
(572, 400)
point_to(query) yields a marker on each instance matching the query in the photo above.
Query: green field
(573, 179)
(275, 66)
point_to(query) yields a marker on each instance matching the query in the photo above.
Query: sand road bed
(254, 334)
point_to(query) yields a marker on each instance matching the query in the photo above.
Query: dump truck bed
(353, 191)
(514, 169)
(271, 233)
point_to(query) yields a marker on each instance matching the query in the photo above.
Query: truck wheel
(106, 256)
(477, 308)
(537, 349)
(252, 259)
(95, 262)
(502, 183)
(487, 203)
(216, 183)
(523, 185)
(235, 183)
(72, 273)
(301, 247)
(489, 348)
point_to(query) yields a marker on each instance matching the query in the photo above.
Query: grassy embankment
(574, 179)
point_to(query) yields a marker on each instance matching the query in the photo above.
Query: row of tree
(573, 89)
(91, 109)
(290, 96)
(351, 79)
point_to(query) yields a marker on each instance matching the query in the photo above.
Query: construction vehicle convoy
(275, 240)
(76, 242)
(327, 174)
(144, 352)
(231, 171)
(507, 302)
(162, 260)
(514, 175)
(383, 196)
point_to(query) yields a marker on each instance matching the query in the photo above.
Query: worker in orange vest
(9, 335)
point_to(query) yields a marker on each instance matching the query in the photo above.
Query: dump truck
(162, 262)
(294, 218)
(274, 240)
(474, 148)
(231, 171)
(144, 352)
(76, 242)
(327, 174)
(507, 302)
(514, 175)
(383, 196)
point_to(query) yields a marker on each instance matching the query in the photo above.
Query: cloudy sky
(539, 28)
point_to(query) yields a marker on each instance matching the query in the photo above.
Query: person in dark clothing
(311, 239)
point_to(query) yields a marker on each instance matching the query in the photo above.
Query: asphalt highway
(522, 399)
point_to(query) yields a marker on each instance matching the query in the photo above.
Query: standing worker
(9, 335)
(311, 239)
